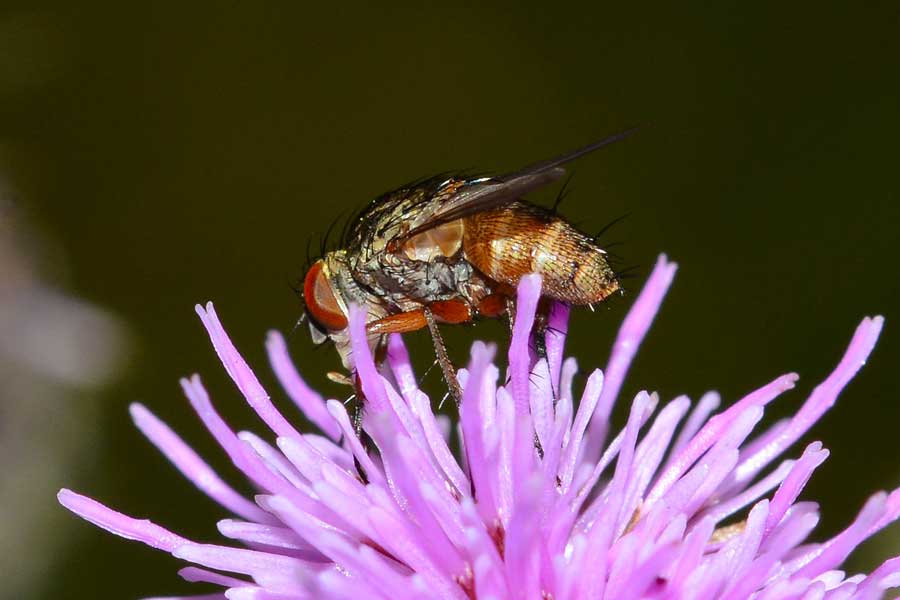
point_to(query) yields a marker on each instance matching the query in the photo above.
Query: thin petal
(630, 336)
(192, 466)
(529, 292)
(822, 398)
(140, 530)
(241, 373)
(310, 402)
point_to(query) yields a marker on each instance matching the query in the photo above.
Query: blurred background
(153, 157)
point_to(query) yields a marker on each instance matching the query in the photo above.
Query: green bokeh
(187, 152)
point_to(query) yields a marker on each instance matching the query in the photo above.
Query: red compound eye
(320, 300)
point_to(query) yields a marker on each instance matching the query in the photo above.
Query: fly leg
(443, 359)
(538, 333)
(541, 319)
(359, 398)
(356, 417)
(540, 347)
(358, 412)
(441, 311)
(444, 311)
(511, 313)
(447, 311)
(539, 330)
(404, 322)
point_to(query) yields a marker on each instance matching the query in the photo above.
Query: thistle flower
(539, 504)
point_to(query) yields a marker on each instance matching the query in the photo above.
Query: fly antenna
(298, 323)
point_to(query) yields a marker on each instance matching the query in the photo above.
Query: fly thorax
(347, 288)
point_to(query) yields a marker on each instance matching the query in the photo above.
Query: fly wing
(499, 191)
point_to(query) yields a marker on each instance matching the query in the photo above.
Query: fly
(451, 250)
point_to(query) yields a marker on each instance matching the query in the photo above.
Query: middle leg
(443, 359)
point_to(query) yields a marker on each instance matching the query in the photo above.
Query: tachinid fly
(451, 250)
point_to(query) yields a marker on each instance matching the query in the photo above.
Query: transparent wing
(506, 189)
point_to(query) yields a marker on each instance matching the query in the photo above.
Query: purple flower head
(543, 501)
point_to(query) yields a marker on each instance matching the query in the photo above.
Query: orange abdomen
(512, 241)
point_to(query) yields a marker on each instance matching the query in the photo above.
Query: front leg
(404, 322)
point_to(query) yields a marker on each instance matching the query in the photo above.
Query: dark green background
(187, 152)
